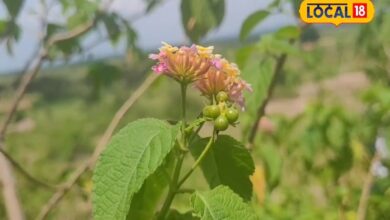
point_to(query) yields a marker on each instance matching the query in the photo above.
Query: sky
(162, 24)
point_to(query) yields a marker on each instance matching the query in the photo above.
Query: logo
(337, 11)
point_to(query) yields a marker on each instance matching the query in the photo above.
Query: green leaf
(274, 4)
(112, 27)
(227, 163)
(288, 32)
(146, 200)
(132, 155)
(221, 203)
(200, 16)
(259, 75)
(68, 47)
(251, 22)
(82, 11)
(175, 215)
(52, 29)
(13, 6)
(243, 54)
(151, 4)
(102, 74)
(272, 163)
(271, 44)
(3, 27)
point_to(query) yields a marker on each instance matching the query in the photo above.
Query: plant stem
(183, 116)
(200, 158)
(172, 188)
(183, 102)
(366, 191)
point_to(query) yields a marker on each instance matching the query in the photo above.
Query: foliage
(199, 17)
(311, 165)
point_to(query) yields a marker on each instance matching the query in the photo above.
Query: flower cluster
(210, 73)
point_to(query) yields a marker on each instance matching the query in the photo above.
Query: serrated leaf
(200, 16)
(221, 203)
(132, 155)
(251, 22)
(227, 163)
(146, 200)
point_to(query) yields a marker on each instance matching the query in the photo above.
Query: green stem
(197, 162)
(183, 103)
(183, 115)
(172, 189)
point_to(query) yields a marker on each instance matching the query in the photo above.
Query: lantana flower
(211, 73)
(184, 64)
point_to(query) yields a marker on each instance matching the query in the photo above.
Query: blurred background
(321, 143)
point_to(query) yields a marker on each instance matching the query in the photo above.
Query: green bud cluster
(222, 114)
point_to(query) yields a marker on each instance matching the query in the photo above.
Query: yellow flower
(168, 48)
(206, 52)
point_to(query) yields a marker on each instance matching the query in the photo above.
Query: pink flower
(160, 68)
(217, 63)
(210, 72)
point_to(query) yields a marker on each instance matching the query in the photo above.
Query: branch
(369, 181)
(28, 76)
(16, 165)
(60, 193)
(11, 201)
(261, 110)
(78, 31)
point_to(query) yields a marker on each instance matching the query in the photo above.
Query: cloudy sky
(163, 24)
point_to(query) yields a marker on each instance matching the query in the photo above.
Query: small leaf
(200, 16)
(288, 32)
(132, 155)
(227, 163)
(151, 4)
(52, 29)
(13, 6)
(221, 203)
(112, 28)
(251, 22)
